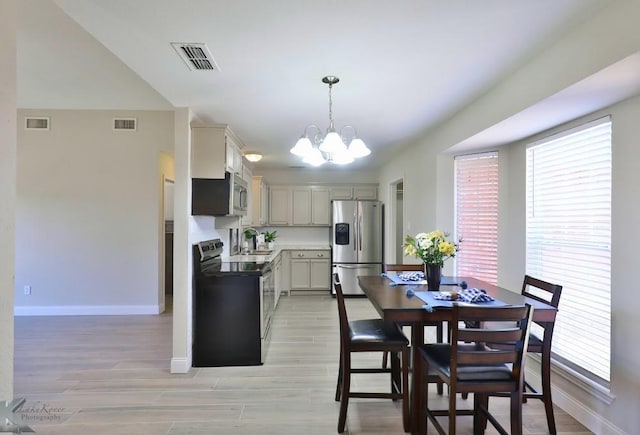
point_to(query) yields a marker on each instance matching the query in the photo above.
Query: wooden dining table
(394, 305)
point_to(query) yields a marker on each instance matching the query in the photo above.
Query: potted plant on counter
(270, 238)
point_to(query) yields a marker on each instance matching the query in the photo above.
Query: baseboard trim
(86, 310)
(180, 365)
(576, 409)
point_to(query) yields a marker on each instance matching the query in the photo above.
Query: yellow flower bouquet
(431, 248)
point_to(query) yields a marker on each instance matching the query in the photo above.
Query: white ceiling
(403, 66)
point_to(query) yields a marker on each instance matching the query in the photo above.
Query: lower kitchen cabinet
(310, 270)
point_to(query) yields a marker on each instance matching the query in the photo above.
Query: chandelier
(317, 149)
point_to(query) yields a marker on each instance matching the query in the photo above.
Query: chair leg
(385, 356)
(396, 386)
(516, 413)
(480, 402)
(405, 390)
(339, 383)
(439, 339)
(344, 394)
(452, 413)
(546, 391)
(420, 396)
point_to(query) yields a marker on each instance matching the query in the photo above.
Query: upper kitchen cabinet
(279, 205)
(214, 150)
(247, 219)
(310, 206)
(259, 201)
(354, 192)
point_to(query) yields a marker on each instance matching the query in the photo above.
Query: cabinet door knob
(320, 255)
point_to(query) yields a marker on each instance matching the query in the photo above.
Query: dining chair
(438, 325)
(470, 364)
(370, 335)
(540, 342)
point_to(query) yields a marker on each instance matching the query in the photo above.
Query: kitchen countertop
(274, 253)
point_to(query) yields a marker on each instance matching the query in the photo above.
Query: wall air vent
(124, 124)
(196, 56)
(36, 123)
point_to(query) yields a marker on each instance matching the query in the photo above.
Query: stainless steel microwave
(219, 197)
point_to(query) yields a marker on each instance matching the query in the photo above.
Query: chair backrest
(403, 267)
(542, 291)
(506, 328)
(342, 311)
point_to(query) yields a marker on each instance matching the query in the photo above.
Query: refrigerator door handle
(360, 232)
(349, 267)
(355, 233)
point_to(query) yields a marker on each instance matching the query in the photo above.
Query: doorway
(396, 215)
(167, 195)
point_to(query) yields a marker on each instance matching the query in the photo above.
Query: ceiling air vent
(124, 124)
(36, 123)
(196, 56)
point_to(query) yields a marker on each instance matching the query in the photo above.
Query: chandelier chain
(330, 107)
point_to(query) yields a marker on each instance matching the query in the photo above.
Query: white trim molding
(180, 365)
(86, 310)
(585, 415)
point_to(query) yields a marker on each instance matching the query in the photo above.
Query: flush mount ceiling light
(317, 149)
(253, 157)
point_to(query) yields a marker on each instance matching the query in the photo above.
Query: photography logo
(17, 415)
(10, 417)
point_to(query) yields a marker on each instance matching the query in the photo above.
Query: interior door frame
(393, 221)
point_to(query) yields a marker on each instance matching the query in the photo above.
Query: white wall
(87, 216)
(317, 175)
(7, 191)
(625, 373)
(609, 37)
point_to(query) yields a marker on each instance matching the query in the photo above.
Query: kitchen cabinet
(363, 192)
(214, 150)
(341, 193)
(233, 154)
(285, 275)
(277, 273)
(354, 192)
(279, 205)
(259, 201)
(310, 206)
(248, 217)
(310, 270)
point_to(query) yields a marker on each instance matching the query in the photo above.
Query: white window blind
(477, 215)
(569, 239)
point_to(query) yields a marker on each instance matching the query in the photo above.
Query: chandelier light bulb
(342, 158)
(303, 147)
(314, 158)
(333, 143)
(357, 148)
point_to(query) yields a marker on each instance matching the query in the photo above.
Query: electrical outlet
(27, 289)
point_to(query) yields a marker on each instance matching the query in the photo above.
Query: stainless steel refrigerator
(356, 242)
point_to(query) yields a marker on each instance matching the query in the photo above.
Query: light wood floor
(110, 375)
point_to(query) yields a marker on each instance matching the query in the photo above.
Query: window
(569, 240)
(476, 190)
